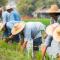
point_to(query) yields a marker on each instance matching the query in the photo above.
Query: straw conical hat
(51, 28)
(18, 27)
(1, 26)
(8, 7)
(53, 9)
(56, 34)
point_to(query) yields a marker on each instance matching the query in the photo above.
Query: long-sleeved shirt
(33, 30)
(6, 17)
(10, 19)
(14, 15)
(54, 49)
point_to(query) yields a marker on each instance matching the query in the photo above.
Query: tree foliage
(3, 2)
(26, 7)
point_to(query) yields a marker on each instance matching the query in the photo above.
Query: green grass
(14, 51)
(43, 20)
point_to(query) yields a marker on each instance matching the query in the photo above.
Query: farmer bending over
(32, 33)
(10, 17)
(49, 41)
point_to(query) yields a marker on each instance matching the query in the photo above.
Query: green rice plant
(38, 56)
(45, 21)
(12, 52)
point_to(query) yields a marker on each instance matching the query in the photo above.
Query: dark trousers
(36, 43)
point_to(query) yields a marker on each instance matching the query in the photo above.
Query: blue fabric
(5, 34)
(15, 16)
(16, 38)
(10, 24)
(53, 46)
(32, 30)
(10, 19)
(54, 49)
(5, 16)
(48, 40)
(37, 42)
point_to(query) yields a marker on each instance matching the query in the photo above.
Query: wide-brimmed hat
(56, 34)
(53, 9)
(51, 28)
(18, 27)
(9, 7)
(1, 26)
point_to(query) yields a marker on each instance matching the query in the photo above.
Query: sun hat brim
(53, 9)
(8, 7)
(51, 28)
(18, 27)
(56, 34)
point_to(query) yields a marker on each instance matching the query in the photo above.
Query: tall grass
(45, 21)
(14, 51)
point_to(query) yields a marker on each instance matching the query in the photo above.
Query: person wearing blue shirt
(15, 15)
(10, 17)
(32, 33)
(5, 18)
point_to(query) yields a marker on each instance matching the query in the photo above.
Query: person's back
(36, 28)
(1, 13)
(5, 17)
(32, 32)
(13, 19)
(14, 15)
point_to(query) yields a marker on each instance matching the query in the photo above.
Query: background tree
(3, 2)
(26, 7)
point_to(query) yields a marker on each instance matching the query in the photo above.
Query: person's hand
(11, 36)
(24, 45)
(43, 50)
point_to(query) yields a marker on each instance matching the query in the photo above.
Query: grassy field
(43, 20)
(14, 51)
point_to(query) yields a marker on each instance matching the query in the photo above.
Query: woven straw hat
(51, 28)
(56, 34)
(53, 9)
(8, 7)
(18, 27)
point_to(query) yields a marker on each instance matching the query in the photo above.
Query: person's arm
(43, 50)
(42, 27)
(46, 45)
(24, 44)
(4, 17)
(27, 36)
(15, 16)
